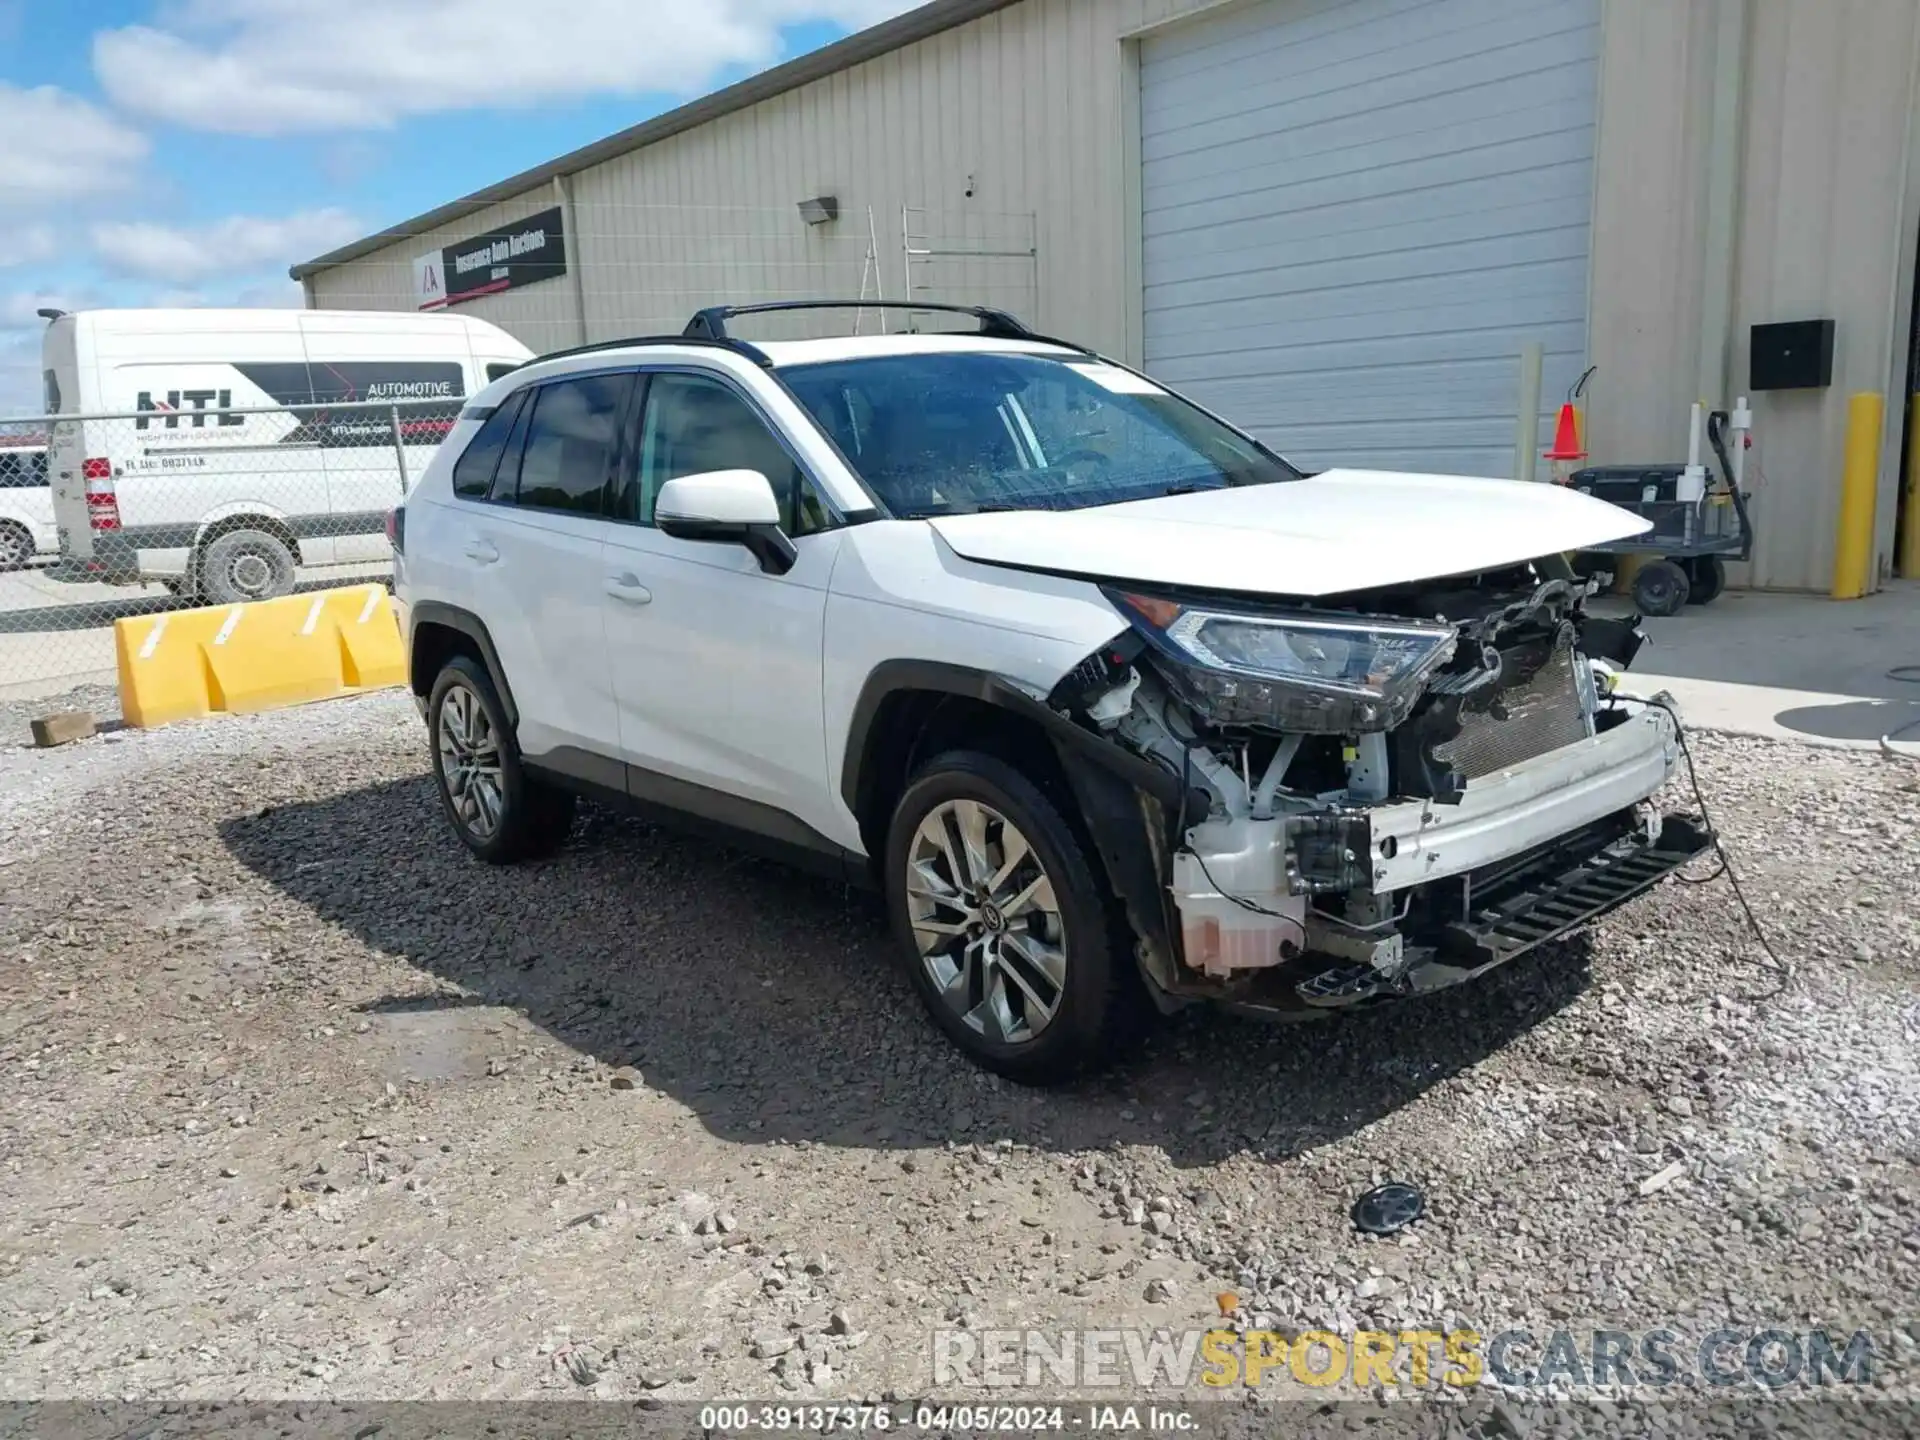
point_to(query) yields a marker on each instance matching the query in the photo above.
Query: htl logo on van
(197, 400)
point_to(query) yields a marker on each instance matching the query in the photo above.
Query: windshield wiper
(1192, 487)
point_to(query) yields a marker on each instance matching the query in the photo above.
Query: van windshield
(945, 434)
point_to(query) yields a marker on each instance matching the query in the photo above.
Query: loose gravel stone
(436, 1173)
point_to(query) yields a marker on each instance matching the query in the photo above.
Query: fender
(894, 676)
(434, 612)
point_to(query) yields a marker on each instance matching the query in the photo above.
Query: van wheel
(245, 565)
(16, 546)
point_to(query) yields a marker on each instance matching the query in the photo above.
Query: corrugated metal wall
(1032, 108)
(1005, 132)
(1825, 228)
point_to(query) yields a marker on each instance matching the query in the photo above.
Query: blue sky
(188, 151)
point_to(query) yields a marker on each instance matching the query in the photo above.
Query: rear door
(530, 563)
(66, 446)
(418, 373)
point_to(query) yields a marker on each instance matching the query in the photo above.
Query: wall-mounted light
(820, 209)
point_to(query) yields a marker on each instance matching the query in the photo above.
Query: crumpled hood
(1341, 530)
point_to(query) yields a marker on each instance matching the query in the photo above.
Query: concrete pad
(1789, 667)
(1846, 721)
(1789, 642)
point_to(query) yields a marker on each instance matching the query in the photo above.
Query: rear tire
(1706, 578)
(1022, 965)
(500, 813)
(244, 565)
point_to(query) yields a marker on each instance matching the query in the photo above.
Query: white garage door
(1357, 212)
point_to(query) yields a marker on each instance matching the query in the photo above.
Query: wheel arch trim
(452, 617)
(896, 677)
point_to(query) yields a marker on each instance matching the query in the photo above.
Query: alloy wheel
(986, 921)
(470, 762)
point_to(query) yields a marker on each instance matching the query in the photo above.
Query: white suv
(1111, 702)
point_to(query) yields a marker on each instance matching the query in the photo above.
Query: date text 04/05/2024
(939, 1419)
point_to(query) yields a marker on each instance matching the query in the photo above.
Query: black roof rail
(711, 323)
(719, 342)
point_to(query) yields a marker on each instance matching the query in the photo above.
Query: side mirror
(735, 507)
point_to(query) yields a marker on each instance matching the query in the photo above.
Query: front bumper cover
(1526, 855)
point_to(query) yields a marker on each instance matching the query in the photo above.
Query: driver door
(717, 664)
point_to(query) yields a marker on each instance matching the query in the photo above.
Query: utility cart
(1700, 521)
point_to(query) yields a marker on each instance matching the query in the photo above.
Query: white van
(186, 489)
(26, 504)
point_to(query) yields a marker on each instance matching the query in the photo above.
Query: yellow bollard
(1910, 544)
(1859, 482)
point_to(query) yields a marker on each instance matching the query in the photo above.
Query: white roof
(271, 320)
(863, 347)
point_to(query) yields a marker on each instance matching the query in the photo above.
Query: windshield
(950, 433)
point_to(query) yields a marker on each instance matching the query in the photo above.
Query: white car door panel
(533, 577)
(529, 539)
(717, 665)
(716, 662)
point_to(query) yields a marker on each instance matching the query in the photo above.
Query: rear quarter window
(473, 471)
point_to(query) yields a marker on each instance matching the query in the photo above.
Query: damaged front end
(1379, 794)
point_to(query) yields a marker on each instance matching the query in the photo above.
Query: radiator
(1543, 712)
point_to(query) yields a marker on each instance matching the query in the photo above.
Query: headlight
(1313, 674)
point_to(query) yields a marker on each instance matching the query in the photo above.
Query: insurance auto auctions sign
(535, 249)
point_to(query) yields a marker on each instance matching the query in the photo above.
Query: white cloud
(236, 246)
(28, 245)
(19, 310)
(20, 330)
(276, 67)
(59, 147)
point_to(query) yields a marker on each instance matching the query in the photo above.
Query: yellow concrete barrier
(244, 658)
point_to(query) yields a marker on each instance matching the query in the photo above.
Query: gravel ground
(302, 1102)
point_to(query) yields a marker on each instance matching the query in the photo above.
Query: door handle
(483, 551)
(626, 586)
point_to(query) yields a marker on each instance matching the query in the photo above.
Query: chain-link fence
(189, 501)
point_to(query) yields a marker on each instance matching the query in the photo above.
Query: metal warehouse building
(1339, 222)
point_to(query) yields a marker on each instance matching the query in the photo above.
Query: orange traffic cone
(1567, 451)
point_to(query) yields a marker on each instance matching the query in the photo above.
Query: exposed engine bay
(1384, 791)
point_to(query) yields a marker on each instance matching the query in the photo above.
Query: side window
(473, 471)
(52, 382)
(23, 469)
(692, 425)
(571, 439)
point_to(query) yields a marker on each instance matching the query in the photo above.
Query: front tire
(1007, 934)
(1660, 588)
(499, 812)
